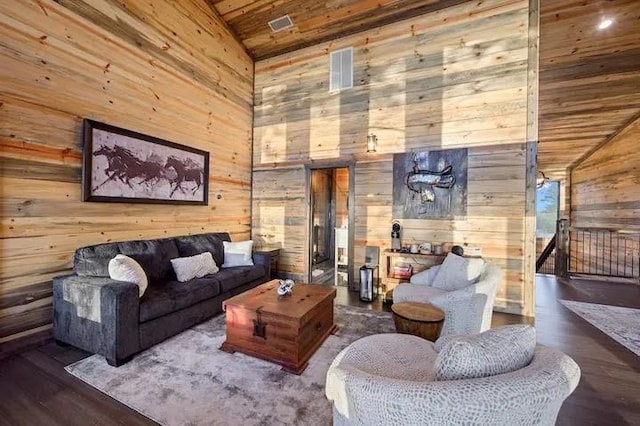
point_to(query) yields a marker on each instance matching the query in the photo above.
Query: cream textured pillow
(453, 274)
(124, 268)
(496, 351)
(237, 254)
(188, 268)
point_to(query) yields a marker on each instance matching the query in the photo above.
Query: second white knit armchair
(468, 310)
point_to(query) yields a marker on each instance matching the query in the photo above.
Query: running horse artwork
(124, 166)
(430, 184)
(185, 172)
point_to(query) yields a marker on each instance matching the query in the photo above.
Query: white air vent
(341, 69)
(281, 23)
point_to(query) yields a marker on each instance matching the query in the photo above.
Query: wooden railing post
(562, 248)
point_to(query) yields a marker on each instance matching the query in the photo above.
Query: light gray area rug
(186, 380)
(619, 323)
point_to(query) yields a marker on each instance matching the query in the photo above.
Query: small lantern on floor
(369, 282)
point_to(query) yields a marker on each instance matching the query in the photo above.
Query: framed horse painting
(123, 166)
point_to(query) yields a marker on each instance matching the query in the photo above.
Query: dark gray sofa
(104, 316)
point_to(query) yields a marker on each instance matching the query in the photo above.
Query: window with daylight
(547, 206)
(341, 72)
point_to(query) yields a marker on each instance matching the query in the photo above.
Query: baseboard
(24, 343)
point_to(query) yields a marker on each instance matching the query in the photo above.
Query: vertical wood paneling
(164, 68)
(438, 81)
(532, 159)
(341, 179)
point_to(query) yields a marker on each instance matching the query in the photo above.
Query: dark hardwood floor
(36, 390)
(609, 389)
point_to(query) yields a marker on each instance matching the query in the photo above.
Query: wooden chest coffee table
(286, 330)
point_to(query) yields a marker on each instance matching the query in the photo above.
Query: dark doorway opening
(329, 230)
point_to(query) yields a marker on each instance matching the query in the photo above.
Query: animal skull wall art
(422, 181)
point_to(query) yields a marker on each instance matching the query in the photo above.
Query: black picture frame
(123, 166)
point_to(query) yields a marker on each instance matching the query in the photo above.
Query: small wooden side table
(420, 319)
(274, 256)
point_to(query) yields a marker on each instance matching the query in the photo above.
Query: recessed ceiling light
(605, 23)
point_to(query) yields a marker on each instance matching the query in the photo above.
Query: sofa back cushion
(93, 261)
(191, 245)
(496, 351)
(153, 255)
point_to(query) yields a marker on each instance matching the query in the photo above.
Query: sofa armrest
(264, 259)
(97, 314)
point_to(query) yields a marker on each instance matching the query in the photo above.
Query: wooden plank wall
(604, 188)
(604, 194)
(164, 68)
(443, 80)
(341, 179)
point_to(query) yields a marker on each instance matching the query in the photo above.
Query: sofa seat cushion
(172, 296)
(236, 276)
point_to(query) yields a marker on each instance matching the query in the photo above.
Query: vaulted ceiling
(314, 21)
(589, 78)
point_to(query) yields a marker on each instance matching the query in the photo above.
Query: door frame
(350, 165)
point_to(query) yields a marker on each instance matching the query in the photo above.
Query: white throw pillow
(188, 268)
(496, 351)
(124, 268)
(453, 274)
(238, 254)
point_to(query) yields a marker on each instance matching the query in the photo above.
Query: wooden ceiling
(315, 21)
(589, 78)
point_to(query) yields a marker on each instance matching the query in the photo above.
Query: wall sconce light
(372, 143)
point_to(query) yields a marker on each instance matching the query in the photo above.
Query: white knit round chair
(467, 310)
(390, 379)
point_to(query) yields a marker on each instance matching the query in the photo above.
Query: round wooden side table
(420, 319)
